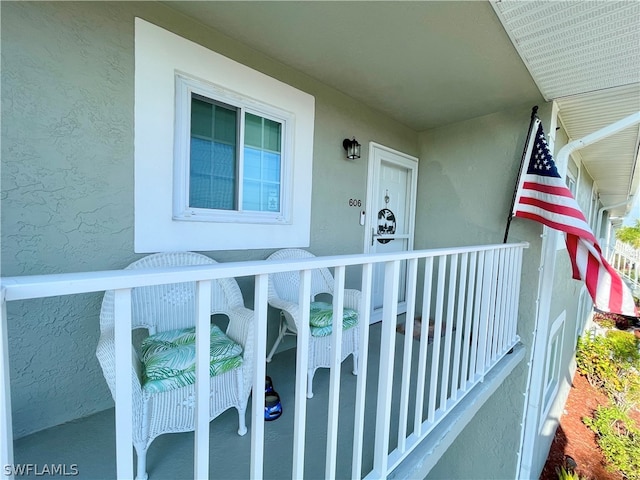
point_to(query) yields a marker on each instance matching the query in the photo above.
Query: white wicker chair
(283, 295)
(167, 307)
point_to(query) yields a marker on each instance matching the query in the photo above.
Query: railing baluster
(202, 385)
(424, 345)
(477, 310)
(506, 302)
(260, 352)
(363, 358)
(446, 362)
(511, 281)
(493, 307)
(6, 427)
(459, 326)
(335, 371)
(468, 339)
(302, 362)
(501, 296)
(412, 274)
(516, 296)
(485, 315)
(385, 377)
(124, 387)
(437, 331)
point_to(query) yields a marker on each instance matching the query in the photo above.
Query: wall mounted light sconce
(352, 147)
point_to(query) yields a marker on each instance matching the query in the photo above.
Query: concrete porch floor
(89, 442)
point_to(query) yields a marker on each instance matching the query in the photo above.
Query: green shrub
(624, 347)
(593, 359)
(612, 364)
(618, 438)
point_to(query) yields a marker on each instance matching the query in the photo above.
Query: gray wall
(67, 181)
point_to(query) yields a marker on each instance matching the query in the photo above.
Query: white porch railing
(470, 296)
(626, 260)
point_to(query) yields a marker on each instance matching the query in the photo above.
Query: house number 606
(355, 203)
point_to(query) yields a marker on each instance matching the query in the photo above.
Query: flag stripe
(551, 207)
(539, 216)
(549, 189)
(543, 197)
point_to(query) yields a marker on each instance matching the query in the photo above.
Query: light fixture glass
(352, 147)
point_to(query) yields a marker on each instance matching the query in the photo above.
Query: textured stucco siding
(67, 180)
(68, 171)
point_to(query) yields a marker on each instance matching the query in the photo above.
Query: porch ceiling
(431, 63)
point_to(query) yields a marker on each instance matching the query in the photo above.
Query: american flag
(543, 196)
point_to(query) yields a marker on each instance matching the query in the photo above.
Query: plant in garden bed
(618, 438)
(568, 474)
(612, 364)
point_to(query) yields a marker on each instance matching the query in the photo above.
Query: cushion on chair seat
(321, 318)
(169, 358)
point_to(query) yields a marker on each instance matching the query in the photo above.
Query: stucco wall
(67, 180)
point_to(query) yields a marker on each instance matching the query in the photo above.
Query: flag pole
(534, 115)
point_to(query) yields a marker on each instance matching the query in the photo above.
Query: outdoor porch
(372, 425)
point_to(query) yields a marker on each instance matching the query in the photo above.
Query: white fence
(626, 260)
(469, 294)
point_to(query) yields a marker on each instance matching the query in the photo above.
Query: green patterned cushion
(169, 358)
(321, 318)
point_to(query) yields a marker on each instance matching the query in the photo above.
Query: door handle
(375, 235)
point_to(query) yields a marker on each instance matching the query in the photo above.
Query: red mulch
(574, 439)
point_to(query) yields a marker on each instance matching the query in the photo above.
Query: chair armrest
(106, 354)
(240, 328)
(353, 299)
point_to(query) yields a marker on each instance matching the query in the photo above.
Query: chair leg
(310, 373)
(141, 473)
(242, 422)
(355, 364)
(281, 334)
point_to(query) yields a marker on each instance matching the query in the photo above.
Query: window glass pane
(212, 170)
(262, 164)
(253, 130)
(271, 169)
(272, 135)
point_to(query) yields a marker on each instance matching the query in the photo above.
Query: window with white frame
(223, 153)
(553, 363)
(232, 157)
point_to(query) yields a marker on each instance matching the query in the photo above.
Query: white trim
(159, 55)
(549, 391)
(409, 162)
(373, 175)
(533, 394)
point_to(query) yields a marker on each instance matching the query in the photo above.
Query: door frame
(395, 157)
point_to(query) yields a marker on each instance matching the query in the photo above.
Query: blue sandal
(272, 405)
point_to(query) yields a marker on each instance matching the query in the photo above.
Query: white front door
(390, 215)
